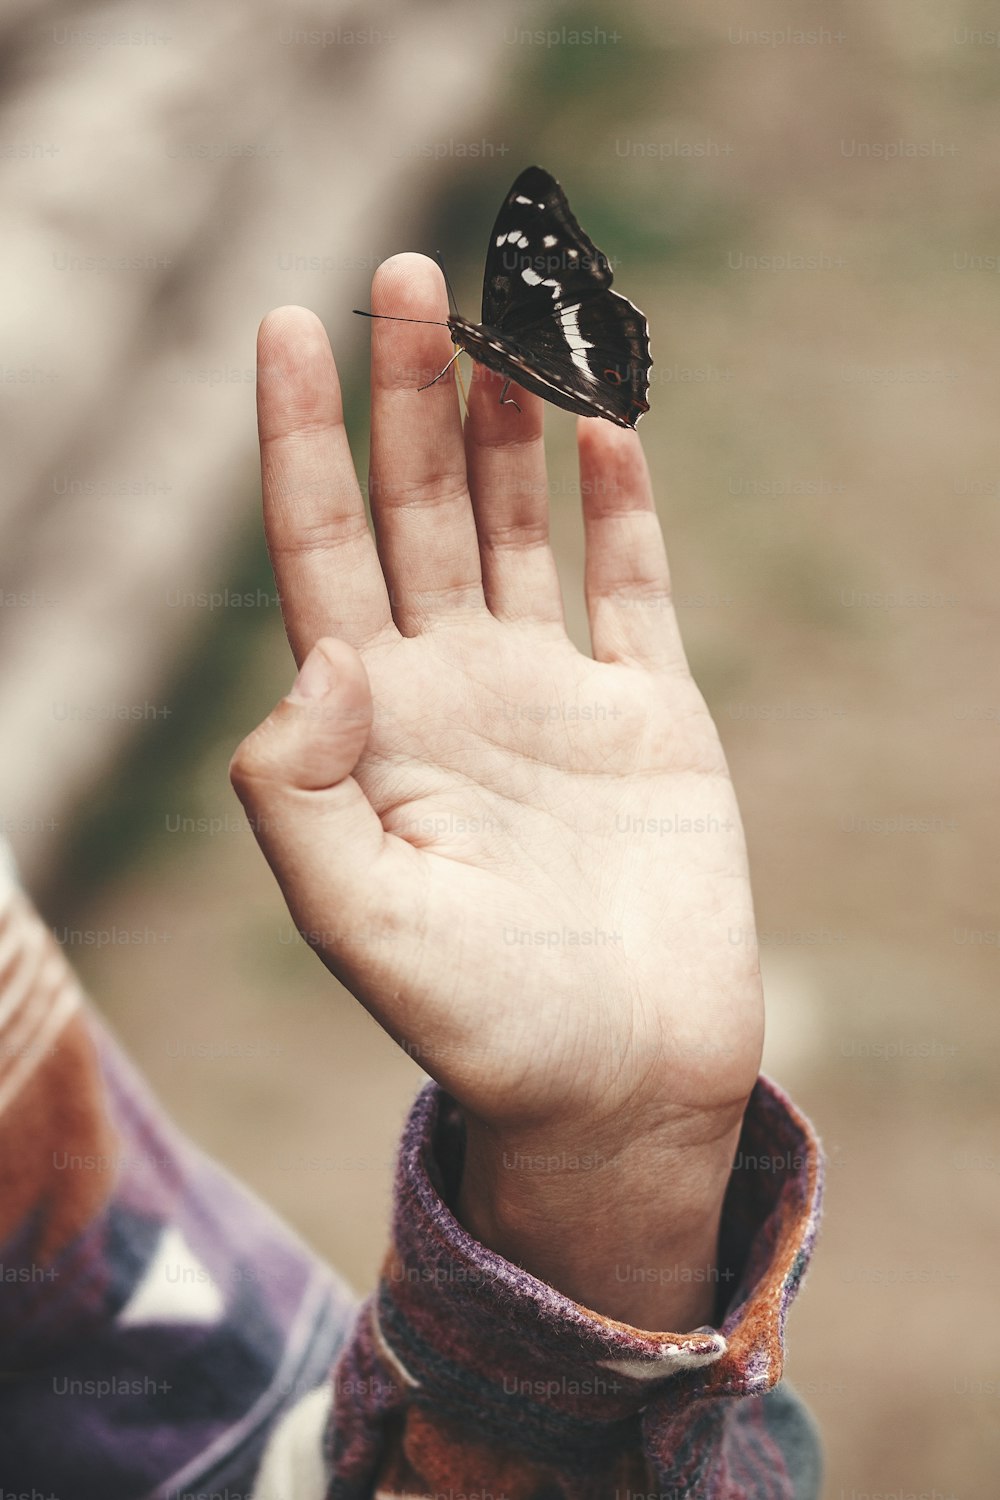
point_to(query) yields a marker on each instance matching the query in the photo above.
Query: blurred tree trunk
(170, 173)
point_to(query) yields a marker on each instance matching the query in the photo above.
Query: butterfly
(550, 320)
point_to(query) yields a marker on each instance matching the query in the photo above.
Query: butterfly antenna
(452, 301)
(431, 322)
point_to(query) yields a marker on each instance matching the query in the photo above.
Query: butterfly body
(544, 376)
(550, 321)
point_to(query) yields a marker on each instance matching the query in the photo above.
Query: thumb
(318, 831)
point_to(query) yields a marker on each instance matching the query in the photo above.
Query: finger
(322, 550)
(505, 455)
(320, 834)
(420, 499)
(351, 888)
(627, 579)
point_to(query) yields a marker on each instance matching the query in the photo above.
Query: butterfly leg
(503, 397)
(437, 377)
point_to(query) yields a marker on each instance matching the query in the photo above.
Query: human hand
(527, 864)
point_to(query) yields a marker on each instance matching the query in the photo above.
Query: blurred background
(802, 198)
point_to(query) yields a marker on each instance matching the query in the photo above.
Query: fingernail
(315, 678)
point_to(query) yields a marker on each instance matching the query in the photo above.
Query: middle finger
(420, 498)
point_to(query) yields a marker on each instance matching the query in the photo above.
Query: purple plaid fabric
(159, 1351)
(156, 1353)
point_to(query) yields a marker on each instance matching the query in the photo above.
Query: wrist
(626, 1227)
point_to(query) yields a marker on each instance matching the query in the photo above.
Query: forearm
(626, 1228)
(465, 1366)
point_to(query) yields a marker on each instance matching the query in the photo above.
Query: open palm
(562, 904)
(526, 863)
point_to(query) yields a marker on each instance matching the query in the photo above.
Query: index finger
(322, 550)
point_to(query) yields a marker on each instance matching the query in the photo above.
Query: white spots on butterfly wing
(541, 206)
(519, 199)
(533, 279)
(522, 243)
(501, 239)
(569, 318)
(573, 254)
(549, 241)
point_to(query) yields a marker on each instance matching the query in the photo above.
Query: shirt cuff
(461, 1350)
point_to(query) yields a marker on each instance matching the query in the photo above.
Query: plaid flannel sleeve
(467, 1377)
(157, 1322)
